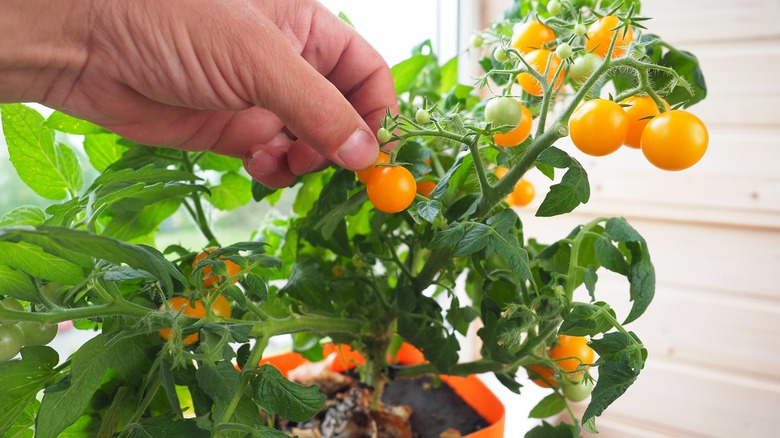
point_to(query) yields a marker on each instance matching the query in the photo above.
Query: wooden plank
(716, 22)
(696, 401)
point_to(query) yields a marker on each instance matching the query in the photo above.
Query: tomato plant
(598, 127)
(36, 333)
(674, 140)
(364, 262)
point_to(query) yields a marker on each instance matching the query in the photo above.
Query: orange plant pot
(470, 389)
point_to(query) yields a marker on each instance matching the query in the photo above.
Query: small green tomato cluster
(16, 334)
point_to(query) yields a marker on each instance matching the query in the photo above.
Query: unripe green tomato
(500, 54)
(577, 392)
(503, 111)
(384, 135)
(554, 7)
(11, 341)
(580, 29)
(10, 304)
(38, 333)
(584, 66)
(422, 116)
(563, 51)
(477, 40)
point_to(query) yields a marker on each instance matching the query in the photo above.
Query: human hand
(284, 84)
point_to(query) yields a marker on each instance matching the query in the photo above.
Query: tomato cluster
(571, 355)
(16, 334)
(194, 308)
(672, 140)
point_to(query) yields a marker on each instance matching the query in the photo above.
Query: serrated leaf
(587, 319)
(448, 237)
(475, 239)
(610, 257)
(405, 72)
(131, 225)
(274, 393)
(16, 284)
(548, 406)
(547, 430)
(23, 215)
(220, 163)
(169, 386)
(22, 380)
(429, 210)
(220, 382)
(449, 75)
(555, 157)
(233, 191)
(305, 284)
(64, 123)
(103, 149)
(38, 263)
(63, 407)
(59, 240)
(614, 380)
(260, 192)
(565, 196)
(51, 170)
(256, 286)
(166, 426)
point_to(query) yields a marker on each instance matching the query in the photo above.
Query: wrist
(41, 42)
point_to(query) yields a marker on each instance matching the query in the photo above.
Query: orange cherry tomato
(572, 351)
(391, 188)
(195, 309)
(600, 33)
(639, 110)
(674, 140)
(209, 279)
(426, 187)
(522, 195)
(363, 175)
(531, 35)
(598, 127)
(545, 373)
(541, 60)
(501, 171)
(518, 134)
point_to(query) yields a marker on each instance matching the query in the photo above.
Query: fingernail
(359, 151)
(261, 163)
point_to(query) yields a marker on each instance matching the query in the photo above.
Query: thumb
(326, 94)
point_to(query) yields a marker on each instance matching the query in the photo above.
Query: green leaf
(233, 191)
(449, 237)
(548, 406)
(555, 157)
(547, 430)
(475, 239)
(36, 262)
(134, 224)
(587, 319)
(168, 382)
(260, 192)
(23, 427)
(345, 19)
(22, 380)
(684, 63)
(116, 179)
(24, 215)
(641, 273)
(277, 395)
(614, 380)
(610, 257)
(52, 171)
(309, 192)
(58, 240)
(16, 284)
(220, 163)
(621, 347)
(103, 150)
(220, 382)
(449, 75)
(306, 284)
(64, 123)
(565, 196)
(166, 426)
(63, 406)
(405, 72)
(429, 210)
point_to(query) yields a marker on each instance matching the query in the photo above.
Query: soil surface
(412, 408)
(435, 407)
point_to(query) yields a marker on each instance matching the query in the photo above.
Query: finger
(301, 159)
(312, 107)
(267, 163)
